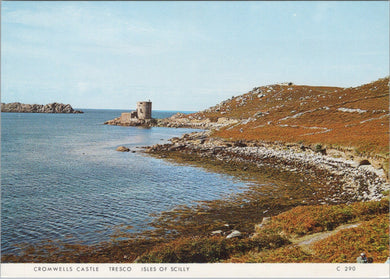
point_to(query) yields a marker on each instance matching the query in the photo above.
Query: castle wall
(125, 117)
(128, 116)
(144, 110)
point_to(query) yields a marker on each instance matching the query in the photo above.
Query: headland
(35, 108)
(337, 134)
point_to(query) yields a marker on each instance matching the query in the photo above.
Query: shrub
(371, 237)
(303, 220)
(208, 249)
(318, 148)
(286, 254)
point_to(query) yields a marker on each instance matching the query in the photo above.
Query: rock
(239, 143)
(123, 149)
(234, 233)
(333, 171)
(364, 163)
(49, 108)
(218, 232)
(132, 122)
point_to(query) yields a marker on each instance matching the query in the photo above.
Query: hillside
(355, 119)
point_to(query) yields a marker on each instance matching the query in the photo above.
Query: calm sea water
(62, 179)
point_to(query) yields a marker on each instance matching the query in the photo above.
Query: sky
(184, 56)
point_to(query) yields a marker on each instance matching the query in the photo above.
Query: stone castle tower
(144, 110)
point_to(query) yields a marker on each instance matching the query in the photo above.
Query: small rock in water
(234, 233)
(123, 149)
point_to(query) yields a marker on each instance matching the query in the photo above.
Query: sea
(62, 178)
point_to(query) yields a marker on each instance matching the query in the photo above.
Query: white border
(218, 270)
(226, 270)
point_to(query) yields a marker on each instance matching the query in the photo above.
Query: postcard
(195, 139)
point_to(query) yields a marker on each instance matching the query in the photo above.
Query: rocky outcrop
(49, 108)
(178, 120)
(123, 149)
(132, 122)
(364, 182)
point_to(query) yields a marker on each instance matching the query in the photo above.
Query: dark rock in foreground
(49, 108)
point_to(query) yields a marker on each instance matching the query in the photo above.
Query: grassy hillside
(347, 118)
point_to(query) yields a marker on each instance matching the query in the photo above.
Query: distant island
(48, 108)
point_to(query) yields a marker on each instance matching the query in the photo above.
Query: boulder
(234, 233)
(123, 149)
(364, 163)
(240, 143)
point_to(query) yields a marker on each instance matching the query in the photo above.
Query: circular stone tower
(144, 110)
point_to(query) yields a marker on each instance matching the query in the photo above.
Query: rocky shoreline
(147, 123)
(48, 108)
(178, 120)
(360, 180)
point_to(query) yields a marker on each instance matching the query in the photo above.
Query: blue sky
(184, 55)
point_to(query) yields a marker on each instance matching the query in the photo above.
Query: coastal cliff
(34, 108)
